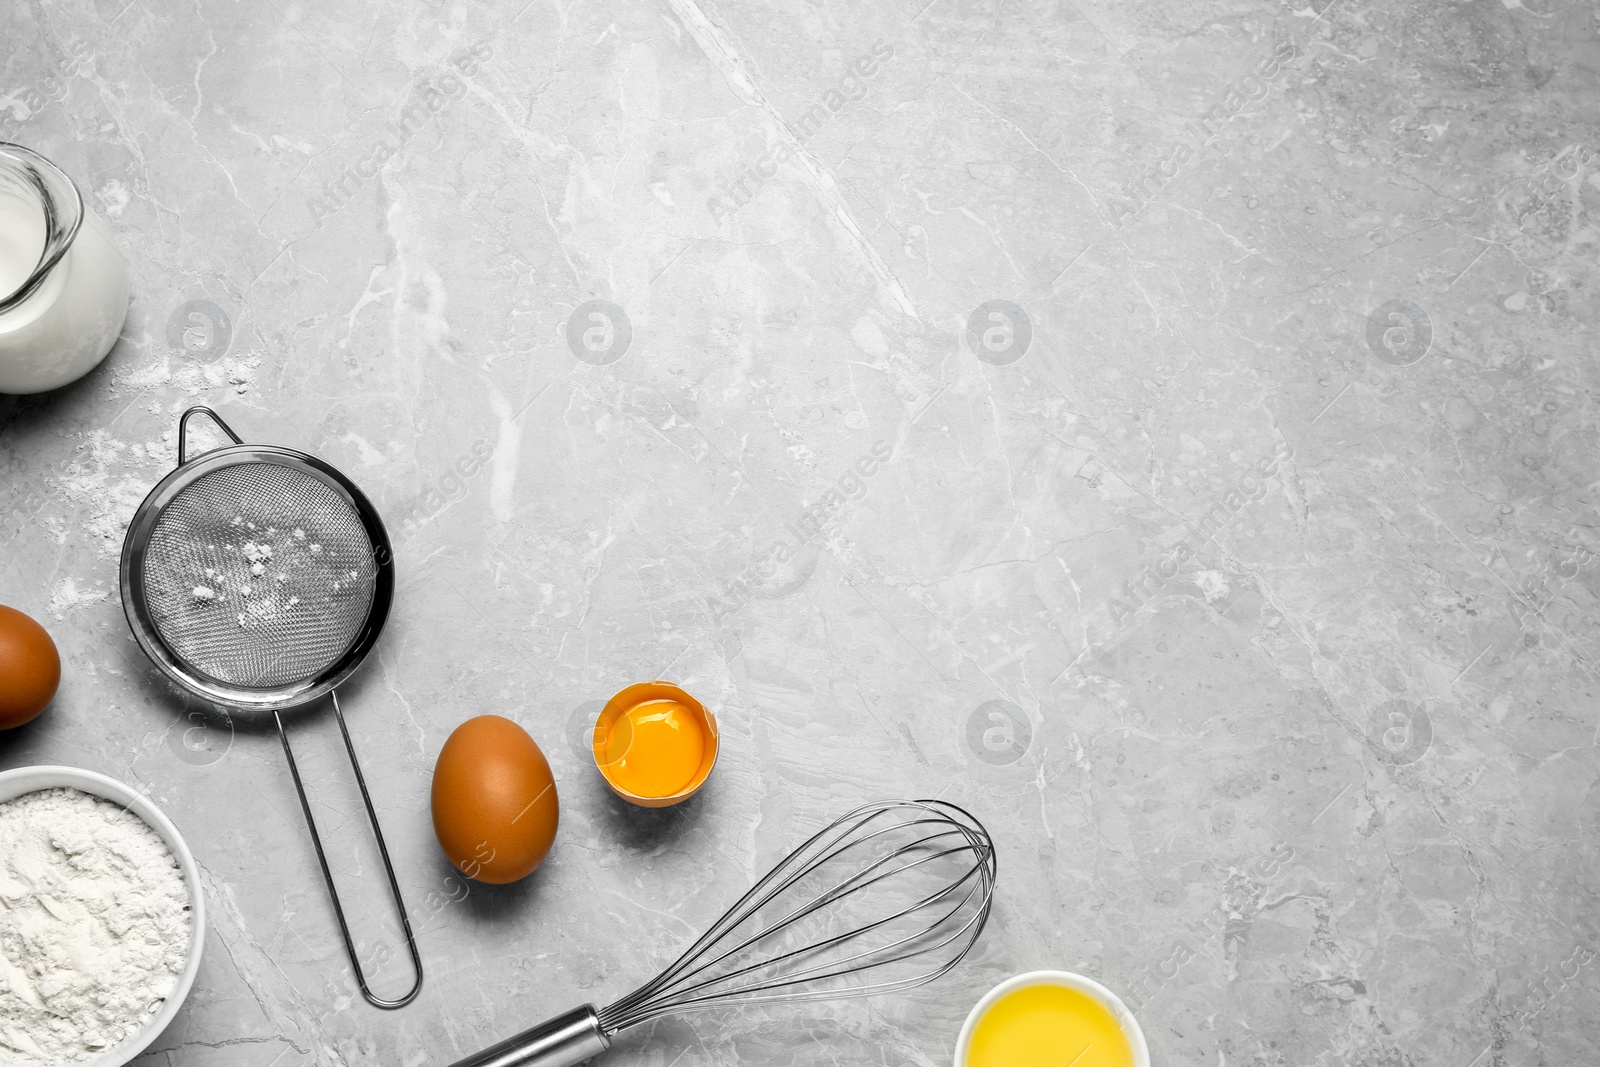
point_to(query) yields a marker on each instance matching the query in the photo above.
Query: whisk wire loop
(888, 897)
(752, 900)
(841, 968)
(833, 895)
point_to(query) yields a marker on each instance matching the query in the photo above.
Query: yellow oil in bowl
(1051, 1019)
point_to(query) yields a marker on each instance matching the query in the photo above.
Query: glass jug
(63, 283)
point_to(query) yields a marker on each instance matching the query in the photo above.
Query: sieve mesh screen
(259, 575)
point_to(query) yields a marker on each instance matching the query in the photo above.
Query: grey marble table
(1166, 429)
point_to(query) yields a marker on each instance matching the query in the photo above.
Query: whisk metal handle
(565, 1041)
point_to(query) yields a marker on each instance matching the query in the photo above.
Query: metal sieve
(259, 577)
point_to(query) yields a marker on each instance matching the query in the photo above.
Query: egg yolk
(654, 749)
(1048, 1026)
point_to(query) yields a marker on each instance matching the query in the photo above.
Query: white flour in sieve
(261, 581)
(94, 926)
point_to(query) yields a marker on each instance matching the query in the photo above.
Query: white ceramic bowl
(1109, 1000)
(30, 779)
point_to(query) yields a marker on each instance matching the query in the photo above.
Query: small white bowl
(15, 783)
(1109, 1000)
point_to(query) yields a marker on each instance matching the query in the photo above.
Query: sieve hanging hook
(183, 429)
(281, 653)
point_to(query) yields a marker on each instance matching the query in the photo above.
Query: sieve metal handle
(327, 874)
(183, 425)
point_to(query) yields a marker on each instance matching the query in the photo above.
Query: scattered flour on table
(67, 595)
(95, 926)
(113, 197)
(173, 373)
(106, 479)
(1212, 585)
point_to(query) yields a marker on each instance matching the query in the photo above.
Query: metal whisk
(888, 897)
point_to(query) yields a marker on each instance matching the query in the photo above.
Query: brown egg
(494, 801)
(30, 668)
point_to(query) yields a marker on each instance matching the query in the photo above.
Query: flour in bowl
(94, 926)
